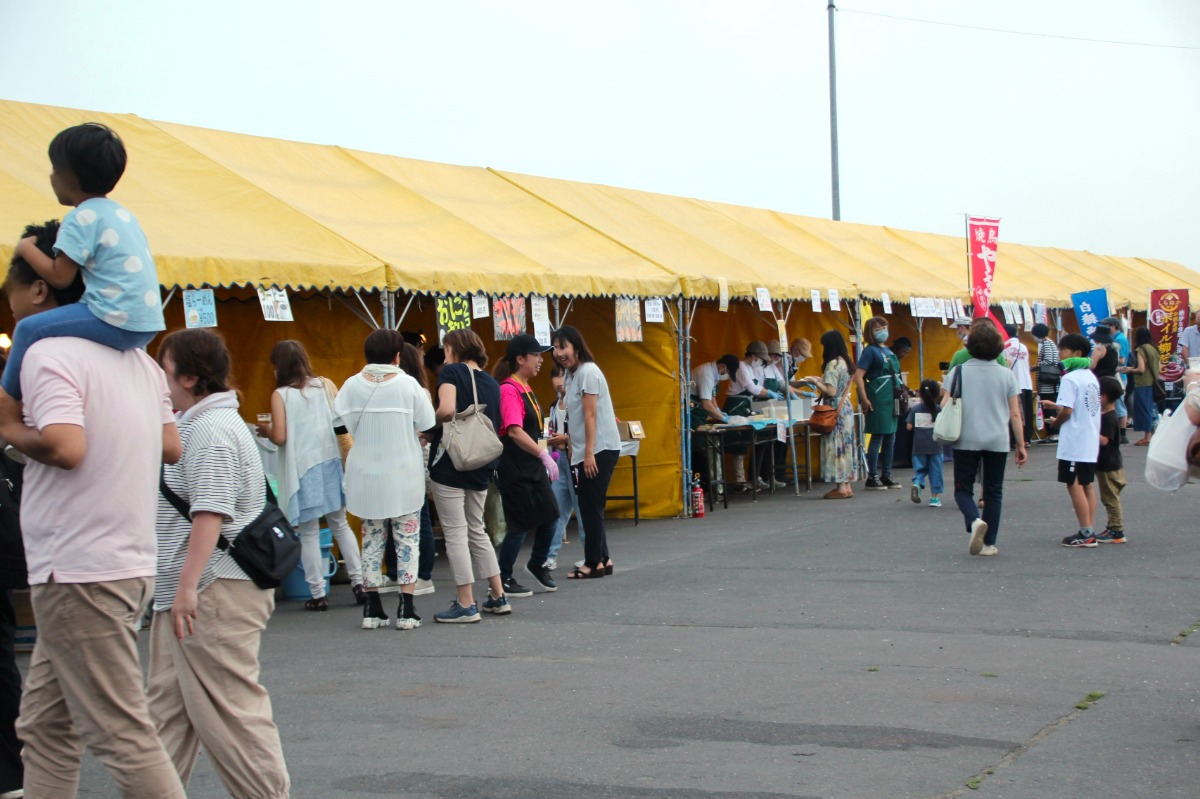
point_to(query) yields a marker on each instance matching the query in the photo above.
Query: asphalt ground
(790, 647)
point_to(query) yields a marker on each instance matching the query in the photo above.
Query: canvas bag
(469, 438)
(1167, 455)
(947, 428)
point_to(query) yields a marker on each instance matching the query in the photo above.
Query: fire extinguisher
(697, 498)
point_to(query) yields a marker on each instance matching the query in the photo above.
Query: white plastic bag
(1166, 457)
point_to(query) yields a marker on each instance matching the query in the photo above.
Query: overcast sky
(1080, 145)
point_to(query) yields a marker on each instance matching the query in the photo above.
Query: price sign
(199, 308)
(453, 313)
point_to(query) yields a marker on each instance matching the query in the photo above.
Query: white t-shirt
(1079, 436)
(704, 381)
(385, 476)
(588, 379)
(749, 379)
(1017, 355)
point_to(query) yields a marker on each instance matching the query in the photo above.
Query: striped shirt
(220, 472)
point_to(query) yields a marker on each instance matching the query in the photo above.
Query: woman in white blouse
(386, 410)
(310, 467)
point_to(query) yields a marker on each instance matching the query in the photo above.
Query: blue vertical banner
(1090, 308)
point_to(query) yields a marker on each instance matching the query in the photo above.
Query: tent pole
(170, 295)
(920, 348)
(400, 320)
(362, 313)
(684, 354)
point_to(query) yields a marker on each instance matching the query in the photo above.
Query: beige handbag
(469, 438)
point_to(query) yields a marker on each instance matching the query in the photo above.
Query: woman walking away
(526, 469)
(878, 381)
(839, 463)
(927, 453)
(595, 445)
(203, 684)
(1144, 375)
(459, 496)
(310, 467)
(990, 408)
(386, 410)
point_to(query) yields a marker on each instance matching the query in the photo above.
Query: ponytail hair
(931, 394)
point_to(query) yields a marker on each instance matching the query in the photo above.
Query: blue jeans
(69, 321)
(930, 465)
(879, 454)
(564, 492)
(967, 463)
(510, 547)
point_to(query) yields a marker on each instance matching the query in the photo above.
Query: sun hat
(758, 348)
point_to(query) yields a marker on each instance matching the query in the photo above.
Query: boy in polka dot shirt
(121, 305)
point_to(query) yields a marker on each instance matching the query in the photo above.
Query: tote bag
(947, 428)
(1167, 455)
(469, 438)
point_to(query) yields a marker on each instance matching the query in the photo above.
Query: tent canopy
(224, 209)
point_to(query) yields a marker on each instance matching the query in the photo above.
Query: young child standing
(121, 305)
(1110, 471)
(1078, 427)
(926, 453)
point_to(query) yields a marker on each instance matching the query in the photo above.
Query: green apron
(737, 405)
(697, 415)
(881, 385)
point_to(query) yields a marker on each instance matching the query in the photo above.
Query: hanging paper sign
(1039, 312)
(479, 307)
(453, 313)
(1027, 314)
(764, 300)
(275, 305)
(629, 319)
(781, 329)
(539, 309)
(508, 317)
(1090, 308)
(816, 300)
(1006, 309)
(887, 303)
(982, 242)
(923, 307)
(199, 308)
(723, 292)
(1166, 318)
(939, 308)
(834, 301)
(654, 310)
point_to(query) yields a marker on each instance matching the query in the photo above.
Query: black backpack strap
(184, 509)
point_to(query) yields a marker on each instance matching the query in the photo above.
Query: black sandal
(608, 568)
(579, 574)
(320, 605)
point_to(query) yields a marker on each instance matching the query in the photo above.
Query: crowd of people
(154, 454)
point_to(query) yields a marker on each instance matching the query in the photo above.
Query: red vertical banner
(983, 238)
(1167, 315)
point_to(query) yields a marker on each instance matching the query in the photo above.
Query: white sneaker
(978, 531)
(423, 587)
(762, 485)
(406, 624)
(374, 623)
(551, 564)
(780, 483)
(989, 551)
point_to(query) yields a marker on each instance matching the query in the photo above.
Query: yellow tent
(235, 211)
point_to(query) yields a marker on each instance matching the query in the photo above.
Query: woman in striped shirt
(209, 616)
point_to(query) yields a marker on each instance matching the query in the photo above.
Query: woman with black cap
(526, 468)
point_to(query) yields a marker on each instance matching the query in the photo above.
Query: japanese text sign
(983, 238)
(199, 308)
(1167, 318)
(1090, 308)
(453, 313)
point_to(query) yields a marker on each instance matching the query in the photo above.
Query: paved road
(792, 648)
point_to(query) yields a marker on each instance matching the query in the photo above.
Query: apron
(696, 414)
(881, 391)
(525, 490)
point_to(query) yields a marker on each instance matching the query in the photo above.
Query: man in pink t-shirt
(97, 425)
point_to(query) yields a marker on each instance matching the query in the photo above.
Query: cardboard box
(631, 431)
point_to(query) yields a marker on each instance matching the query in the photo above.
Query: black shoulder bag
(267, 549)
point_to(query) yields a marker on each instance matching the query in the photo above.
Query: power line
(1019, 33)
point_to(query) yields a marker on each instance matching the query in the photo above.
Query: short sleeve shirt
(986, 389)
(704, 379)
(94, 523)
(1079, 436)
(588, 379)
(921, 418)
(118, 271)
(441, 469)
(1109, 459)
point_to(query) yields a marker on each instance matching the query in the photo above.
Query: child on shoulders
(122, 304)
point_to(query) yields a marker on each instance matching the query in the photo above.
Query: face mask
(800, 359)
(721, 378)
(881, 335)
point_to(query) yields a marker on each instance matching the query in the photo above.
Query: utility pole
(833, 134)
